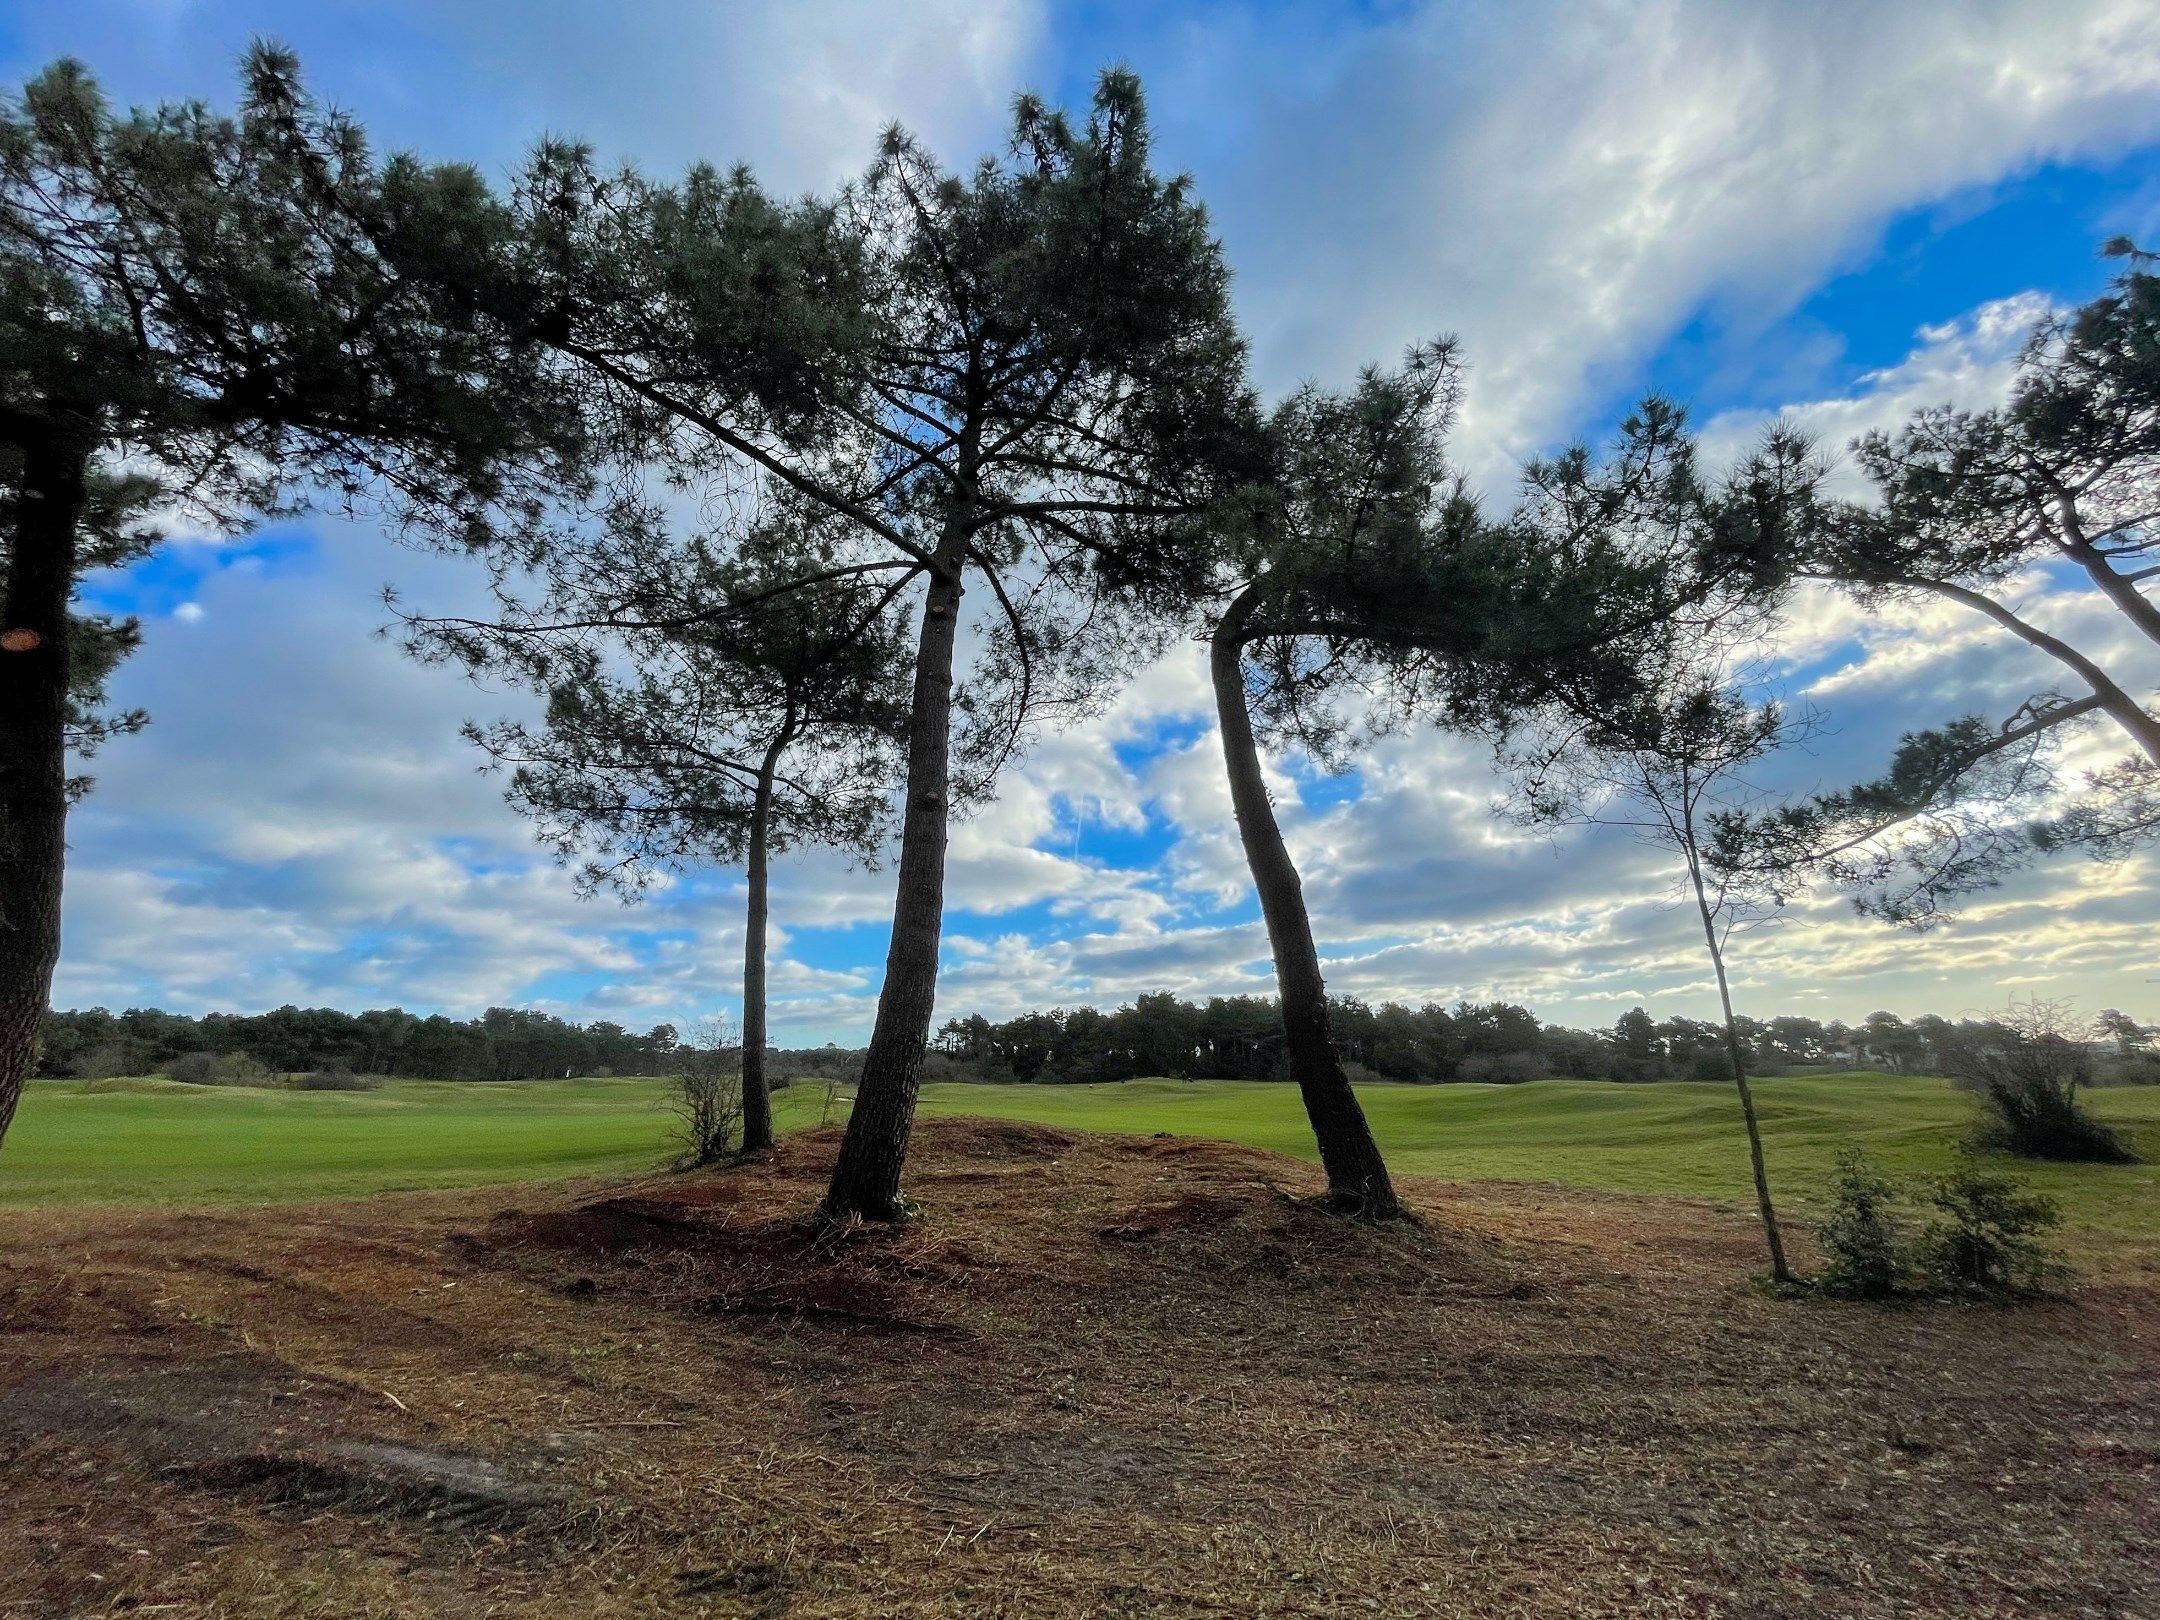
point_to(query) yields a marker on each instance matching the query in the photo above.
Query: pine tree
(1969, 505)
(1366, 572)
(222, 315)
(1022, 377)
(732, 713)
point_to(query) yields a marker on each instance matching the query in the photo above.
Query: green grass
(153, 1141)
(150, 1141)
(1673, 1138)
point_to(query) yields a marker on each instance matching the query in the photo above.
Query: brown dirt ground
(1104, 1376)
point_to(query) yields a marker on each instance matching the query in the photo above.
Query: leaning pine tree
(217, 315)
(1366, 573)
(1970, 507)
(1345, 527)
(706, 720)
(1021, 377)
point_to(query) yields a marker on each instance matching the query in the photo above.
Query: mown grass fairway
(150, 1141)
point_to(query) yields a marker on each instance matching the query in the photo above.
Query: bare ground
(1105, 1376)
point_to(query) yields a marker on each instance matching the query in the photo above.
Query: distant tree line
(1241, 1038)
(503, 1043)
(1222, 1038)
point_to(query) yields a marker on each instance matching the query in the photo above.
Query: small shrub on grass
(217, 1069)
(2025, 1067)
(194, 1069)
(110, 1060)
(1860, 1238)
(707, 1099)
(1501, 1068)
(1987, 1239)
(2128, 1069)
(337, 1078)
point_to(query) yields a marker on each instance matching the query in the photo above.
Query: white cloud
(1563, 183)
(1968, 363)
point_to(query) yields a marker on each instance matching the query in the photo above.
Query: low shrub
(1860, 1238)
(2025, 1067)
(2128, 1069)
(708, 1109)
(1987, 1237)
(216, 1069)
(112, 1060)
(1501, 1068)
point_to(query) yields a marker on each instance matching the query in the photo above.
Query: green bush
(216, 1069)
(1986, 1239)
(1860, 1239)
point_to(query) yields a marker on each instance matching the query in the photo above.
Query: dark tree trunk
(33, 747)
(757, 1129)
(866, 1178)
(2120, 706)
(1736, 1051)
(2123, 592)
(1357, 1176)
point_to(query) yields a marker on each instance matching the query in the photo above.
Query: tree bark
(866, 1177)
(2124, 593)
(1357, 1175)
(1736, 1050)
(33, 746)
(757, 1126)
(2121, 707)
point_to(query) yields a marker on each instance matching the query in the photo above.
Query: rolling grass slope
(151, 1141)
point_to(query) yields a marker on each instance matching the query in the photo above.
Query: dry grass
(1106, 1376)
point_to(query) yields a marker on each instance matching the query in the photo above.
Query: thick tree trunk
(1357, 1176)
(757, 1128)
(1737, 1051)
(866, 1178)
(33, 748)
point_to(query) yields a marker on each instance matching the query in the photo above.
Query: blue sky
(1840, 211)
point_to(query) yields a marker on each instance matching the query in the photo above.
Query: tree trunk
(1357, 1176)
(1736, 1050)
(757, 1129)
(866, 1177)
(2121, 707)
(2132, 602)
(33, 747)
